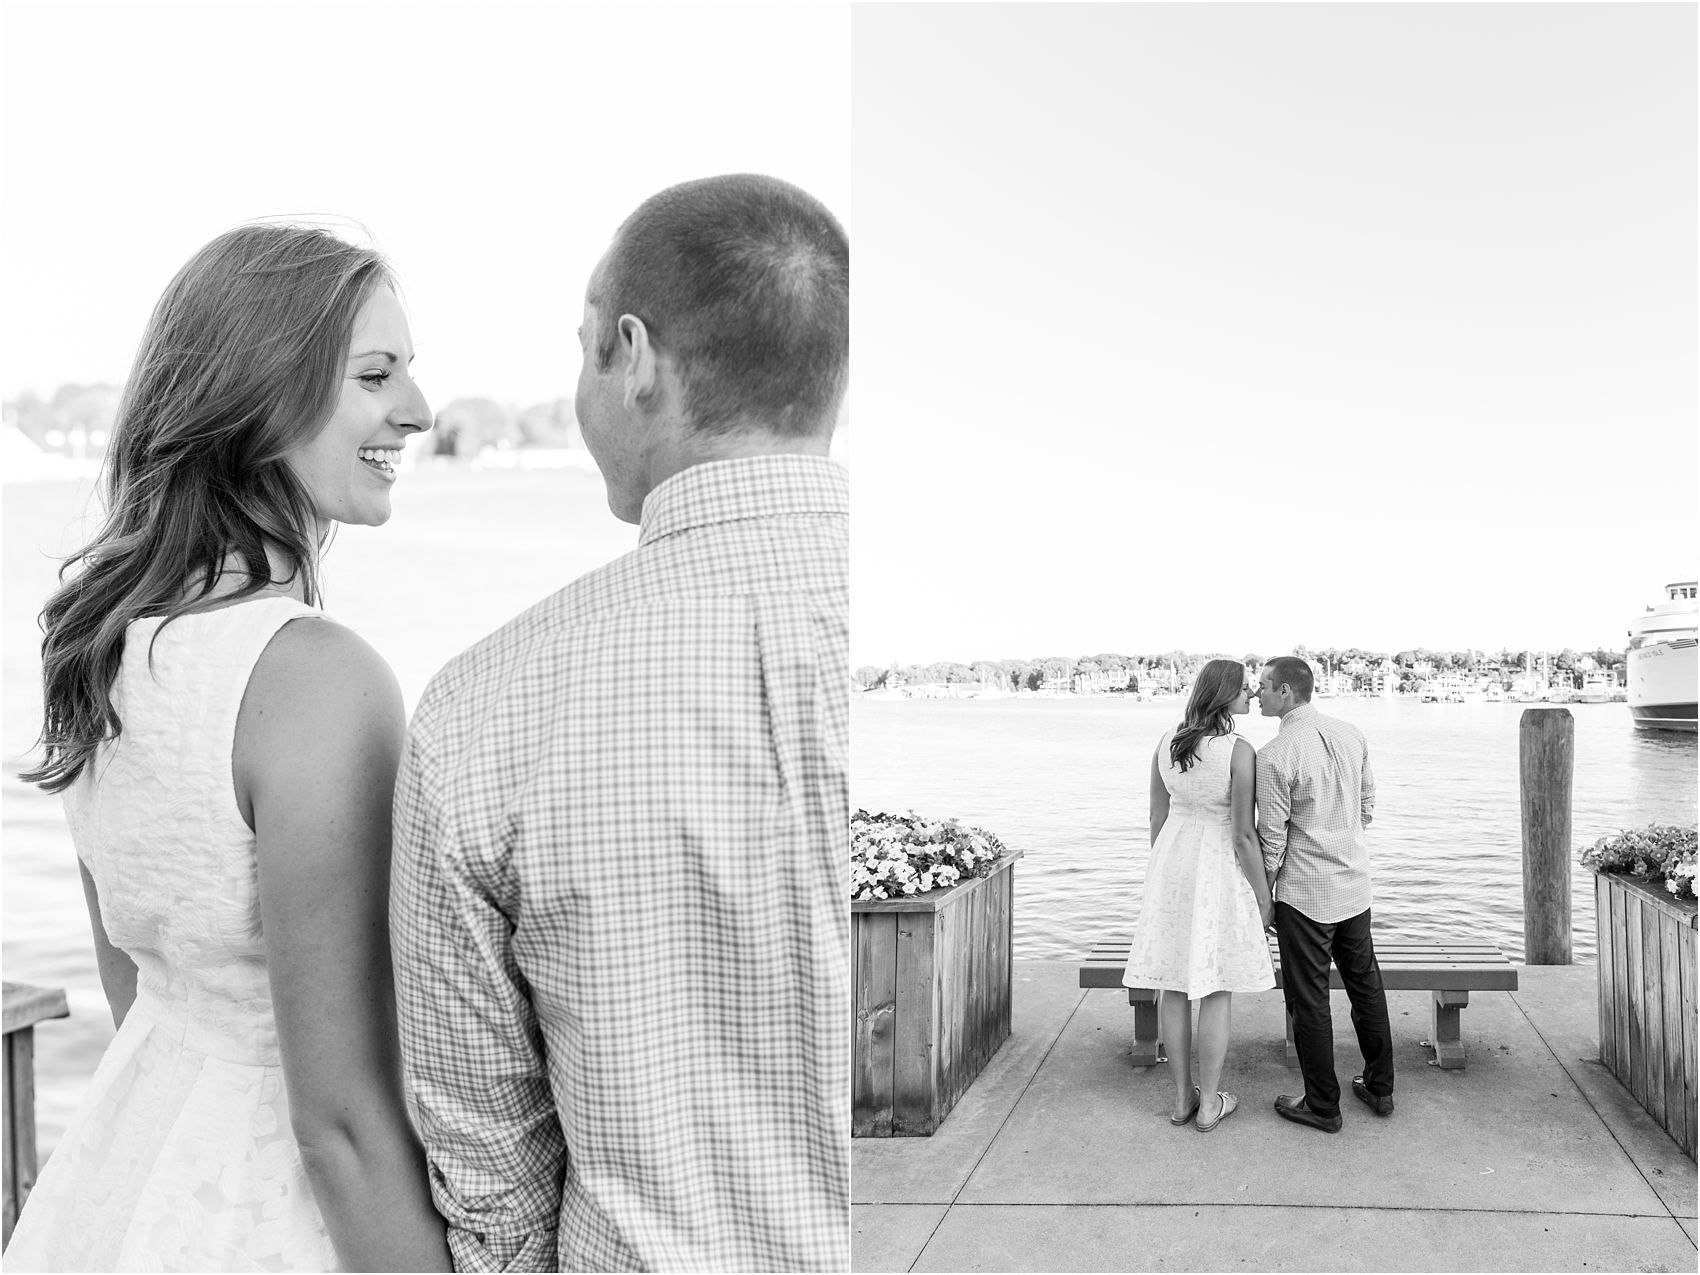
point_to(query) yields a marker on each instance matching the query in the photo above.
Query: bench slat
(1405, 966)
(1381, 946)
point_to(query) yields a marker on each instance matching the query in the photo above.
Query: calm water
(1065, 780)
(463, 553)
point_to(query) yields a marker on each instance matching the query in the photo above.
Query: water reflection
(1659, 762)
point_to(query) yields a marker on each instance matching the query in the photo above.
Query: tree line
(77, 420)
(1178, 668)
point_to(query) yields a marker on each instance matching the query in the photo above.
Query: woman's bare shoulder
(319, 641)
(317, 672)
(322, 710)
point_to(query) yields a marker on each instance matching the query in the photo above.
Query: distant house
(1336, 684)
(1093, 682)
(1158, 677)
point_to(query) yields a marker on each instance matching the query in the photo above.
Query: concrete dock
(1061, 1157)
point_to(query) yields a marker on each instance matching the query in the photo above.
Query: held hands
(1266, 906)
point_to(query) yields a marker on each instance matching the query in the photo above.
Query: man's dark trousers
(1307, 946)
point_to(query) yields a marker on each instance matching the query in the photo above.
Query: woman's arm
(317, 742)
(1159, 793)
(117, 970)
(1242, 797)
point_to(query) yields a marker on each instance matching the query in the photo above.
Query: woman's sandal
(1230, 1104)
(1197, 1098)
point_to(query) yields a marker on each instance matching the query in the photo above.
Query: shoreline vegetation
(65, 436)
(1338, 671)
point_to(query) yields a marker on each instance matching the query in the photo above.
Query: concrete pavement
(1061, 1157)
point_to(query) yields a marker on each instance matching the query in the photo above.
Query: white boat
(1596, 689)
(1494, 694)
(1526, 689)
(1664, 661)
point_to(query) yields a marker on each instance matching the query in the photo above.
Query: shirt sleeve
(1274, 805)
(1366, 791)
(477, 1082)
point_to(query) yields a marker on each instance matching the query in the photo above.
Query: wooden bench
(24, 1007)
(1451, 970)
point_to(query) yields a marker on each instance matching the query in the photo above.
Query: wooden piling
(1547, 758)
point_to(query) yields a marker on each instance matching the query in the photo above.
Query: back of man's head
(1294, 672)
(744, 282)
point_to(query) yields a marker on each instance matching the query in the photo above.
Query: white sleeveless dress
(181, 1156)
(1199, 929)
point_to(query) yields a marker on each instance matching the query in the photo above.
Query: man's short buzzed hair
(745, 282)
(1295, 672)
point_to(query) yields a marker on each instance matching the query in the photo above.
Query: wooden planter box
(1647, 942)
(930, 1000)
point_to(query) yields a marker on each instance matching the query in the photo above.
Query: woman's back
(155, 821)
(1203, 789)
(186, 1160)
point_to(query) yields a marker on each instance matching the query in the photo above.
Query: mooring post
(1547, 756)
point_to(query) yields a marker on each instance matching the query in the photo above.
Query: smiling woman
(228, 756)
(349, 465)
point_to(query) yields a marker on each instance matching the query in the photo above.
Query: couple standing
(1242, 841)
(592, 1014)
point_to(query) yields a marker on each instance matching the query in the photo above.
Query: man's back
(1315, 794)
(620, 896)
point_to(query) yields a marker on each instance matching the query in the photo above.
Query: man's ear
(640, 365)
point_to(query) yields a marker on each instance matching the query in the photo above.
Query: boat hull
(1663, 680)
(1664, 717)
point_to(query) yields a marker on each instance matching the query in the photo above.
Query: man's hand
(1267, 908)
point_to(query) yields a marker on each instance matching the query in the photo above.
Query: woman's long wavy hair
(241, 362)
(1208, 711)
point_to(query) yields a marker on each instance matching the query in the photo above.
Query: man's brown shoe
(1382, 1105)
(1299, 1112)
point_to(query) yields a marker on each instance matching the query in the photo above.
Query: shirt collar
(749, 487)
(1301, 713)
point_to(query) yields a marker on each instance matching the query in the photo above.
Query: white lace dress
(1199, 930)
(180, 1157)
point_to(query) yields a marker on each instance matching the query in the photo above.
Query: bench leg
(1444, 1035)
(1147, 1048)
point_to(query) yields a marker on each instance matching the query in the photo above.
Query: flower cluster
(1658, 851)
(896, 855)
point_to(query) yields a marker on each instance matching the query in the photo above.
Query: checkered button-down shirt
(619, 919)
(1315, 794)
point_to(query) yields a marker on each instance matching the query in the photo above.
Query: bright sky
(1228, 327)
(491, 149)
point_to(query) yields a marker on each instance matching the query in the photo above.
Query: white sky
(1227, 327)
(491, 149)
